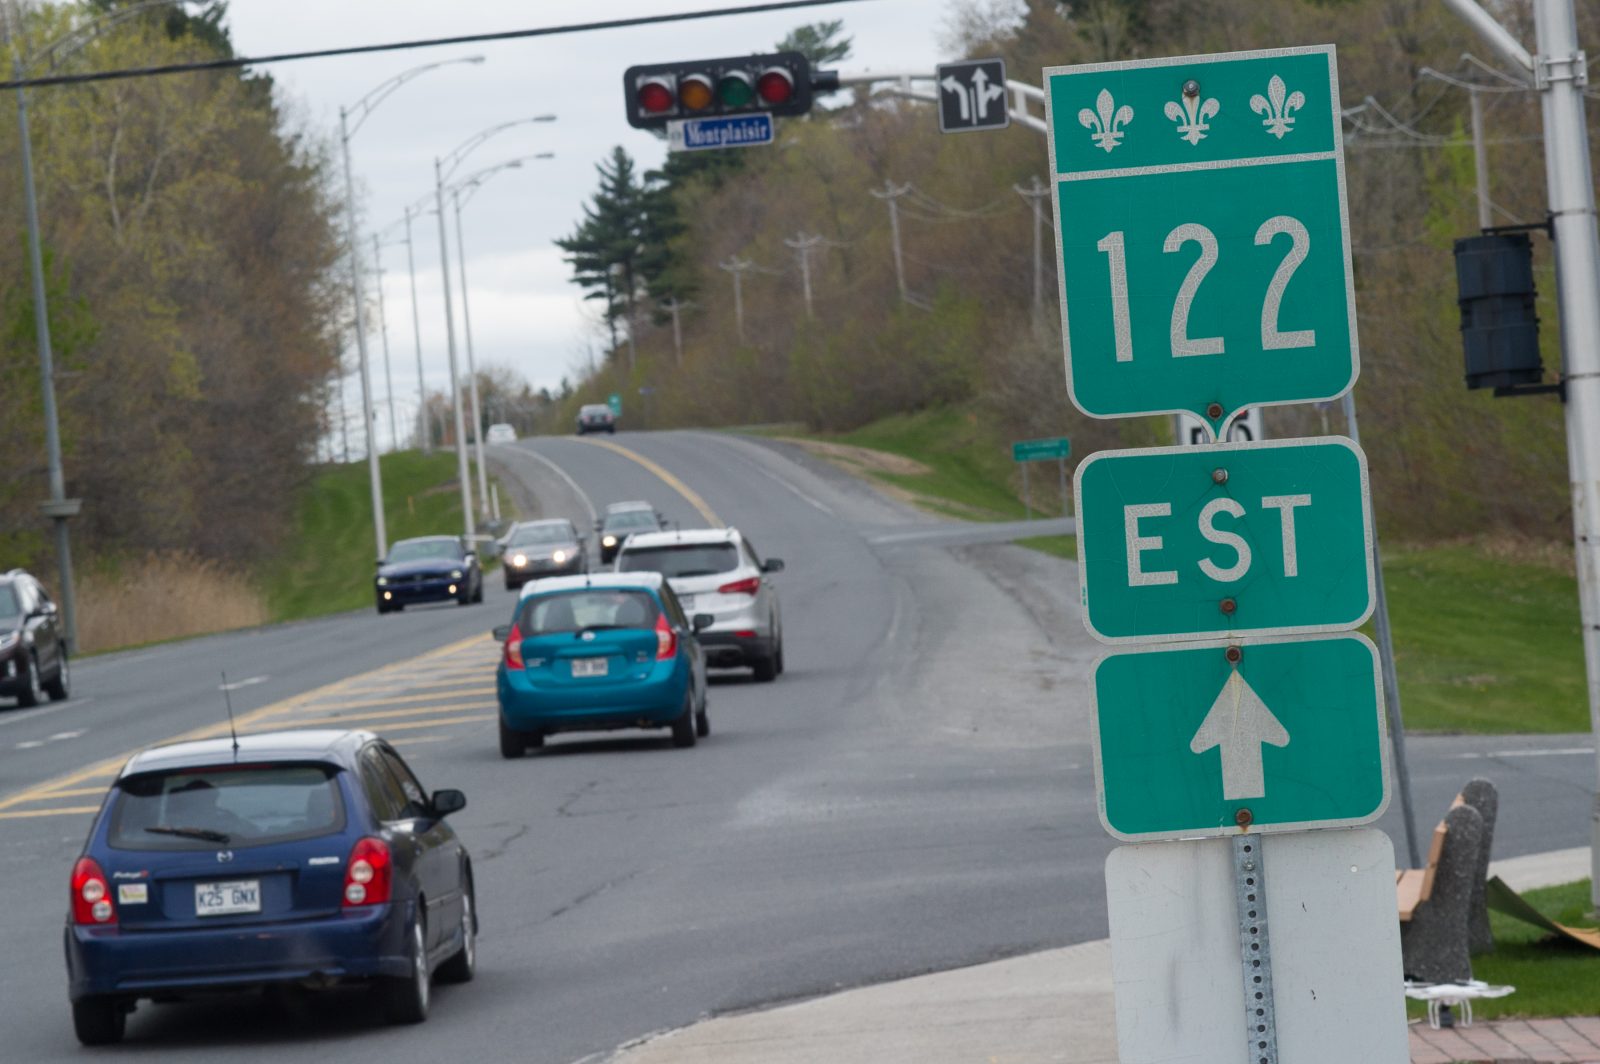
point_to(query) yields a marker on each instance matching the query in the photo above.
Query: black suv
(33, 649)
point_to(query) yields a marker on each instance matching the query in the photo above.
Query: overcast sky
(526, 313)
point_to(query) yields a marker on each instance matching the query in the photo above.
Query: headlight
(609, 541)
(559, 556)
(455, 574)
(519, 560)
(383, 581)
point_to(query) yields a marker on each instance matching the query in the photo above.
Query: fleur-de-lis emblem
(1108, 123)
(1193, 116)
(1278, 105)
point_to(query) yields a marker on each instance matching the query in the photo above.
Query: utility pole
(344, 419)
(383, 333)
(803, 244)
(374, 473)
(469, 525)
(1035, 194)
(677, 331)
(1559, 74)
(1480, 158)
(424, 423)
(472, 366)
(737, 267)
(889, 194)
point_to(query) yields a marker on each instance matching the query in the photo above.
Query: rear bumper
(359, 944)
(725, 650)
(653, 703)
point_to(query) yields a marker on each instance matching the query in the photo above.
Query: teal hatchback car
(598, 653)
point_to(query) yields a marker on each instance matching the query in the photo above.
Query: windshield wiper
(203, 834)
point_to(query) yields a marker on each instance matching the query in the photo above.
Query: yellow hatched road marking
(341, 718)
(109, 767)
(61, 811)
(672, 482)
(325, 707)
(435, 722)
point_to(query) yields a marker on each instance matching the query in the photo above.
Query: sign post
(1205, 272)
(1025, 451)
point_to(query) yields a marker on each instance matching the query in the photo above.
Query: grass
(1553, 976)
(1487, 634)
(329, 566)
(159, 598)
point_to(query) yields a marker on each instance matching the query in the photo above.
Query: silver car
(717, 571)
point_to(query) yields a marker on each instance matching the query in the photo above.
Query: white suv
(717, 571)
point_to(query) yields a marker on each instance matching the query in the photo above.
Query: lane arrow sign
(1240, 724)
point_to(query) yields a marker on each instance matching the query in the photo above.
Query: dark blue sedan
(428, 569)
(303, 858)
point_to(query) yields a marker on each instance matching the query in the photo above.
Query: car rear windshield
(595, 411)
(530, 534)
(684, 559)
(418, 550)
(631, 520)
(573, 611)
(225, 805)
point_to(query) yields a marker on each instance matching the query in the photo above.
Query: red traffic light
(775, 86)
(655, 97)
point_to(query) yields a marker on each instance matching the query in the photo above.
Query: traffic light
(1499, 327)
(778, 83)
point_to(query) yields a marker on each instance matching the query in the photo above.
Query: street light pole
(472, 366)
(383, 333)
(450, 336)
(424, 423)
(375, 474)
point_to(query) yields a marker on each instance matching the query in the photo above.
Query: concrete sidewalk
(1051, 1006)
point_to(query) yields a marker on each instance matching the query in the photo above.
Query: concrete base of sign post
(1433, 942)
(1482, 796)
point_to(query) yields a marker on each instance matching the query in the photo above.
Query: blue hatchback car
(308, 858)
(600, 652)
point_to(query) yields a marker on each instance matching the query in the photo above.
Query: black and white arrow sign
(972, 95)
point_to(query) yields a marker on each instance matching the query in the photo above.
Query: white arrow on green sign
(1292, 732)
(1203, 234)
(1192, 542)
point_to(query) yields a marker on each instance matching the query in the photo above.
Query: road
(915, 793)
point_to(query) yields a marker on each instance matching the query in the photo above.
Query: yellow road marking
(437, 721)
(109, 766)
(416, 740)
(74, 792)
(50, 812)
(340, 718)
(325, 707)
(672, 482)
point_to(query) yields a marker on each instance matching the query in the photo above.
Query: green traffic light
(734, 89)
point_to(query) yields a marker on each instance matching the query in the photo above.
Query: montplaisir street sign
(1202, 232)
(1268, 735)
(1193, 542)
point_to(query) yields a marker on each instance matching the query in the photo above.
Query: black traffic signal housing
(777, 83)
(1499, 326)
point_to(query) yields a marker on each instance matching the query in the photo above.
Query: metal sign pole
(1027, 496)
(1061, 472)
(1255, 952)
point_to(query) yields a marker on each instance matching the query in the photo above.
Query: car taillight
(367, 874)
(91, 896)
(514, 648)
(666, 639)
(741, 587)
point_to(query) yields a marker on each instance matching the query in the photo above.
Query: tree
(819, 42)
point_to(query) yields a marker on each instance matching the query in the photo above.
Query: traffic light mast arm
(899, 83)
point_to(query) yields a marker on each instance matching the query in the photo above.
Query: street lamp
(383, 334)
(361, 110)
(424, 427)
(59, 509)
(471, 185)
(443, 167)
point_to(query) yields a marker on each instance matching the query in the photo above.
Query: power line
(402, 46)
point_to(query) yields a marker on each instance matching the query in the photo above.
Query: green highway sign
(1193, 542)
(614, 401)
(1039, 450)
(1273, 735)
(1203, 234)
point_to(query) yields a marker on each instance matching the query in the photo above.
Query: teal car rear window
(592, 608)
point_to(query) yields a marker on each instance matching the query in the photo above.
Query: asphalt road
(915, 793)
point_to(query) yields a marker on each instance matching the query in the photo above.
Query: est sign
(1192, 542)
(1202, 232)
(1189, 742)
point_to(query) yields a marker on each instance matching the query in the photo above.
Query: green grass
(329, 566)
(1485, 643)
(1553, 976)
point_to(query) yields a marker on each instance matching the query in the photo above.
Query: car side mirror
(446, 802)
(702, 621)
(501, 632)
(772, 565)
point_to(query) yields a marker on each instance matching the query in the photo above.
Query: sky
(525, 312)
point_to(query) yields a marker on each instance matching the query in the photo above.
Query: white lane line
(562, 473)
(58, 736)
(236, 684)
(55, 707)
(1556, 751)
(31, 744)
(769, 474)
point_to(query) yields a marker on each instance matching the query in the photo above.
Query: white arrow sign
(1240, 724)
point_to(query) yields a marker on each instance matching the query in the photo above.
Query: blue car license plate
(590, 667)
(226, 899)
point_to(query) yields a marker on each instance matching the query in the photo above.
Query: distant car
(536, 549)
(301, 858)
(428, 569)
(501, 433)
(621, 520)
(33, 648)
(596, 653)
(596, 417)
(717, 571)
